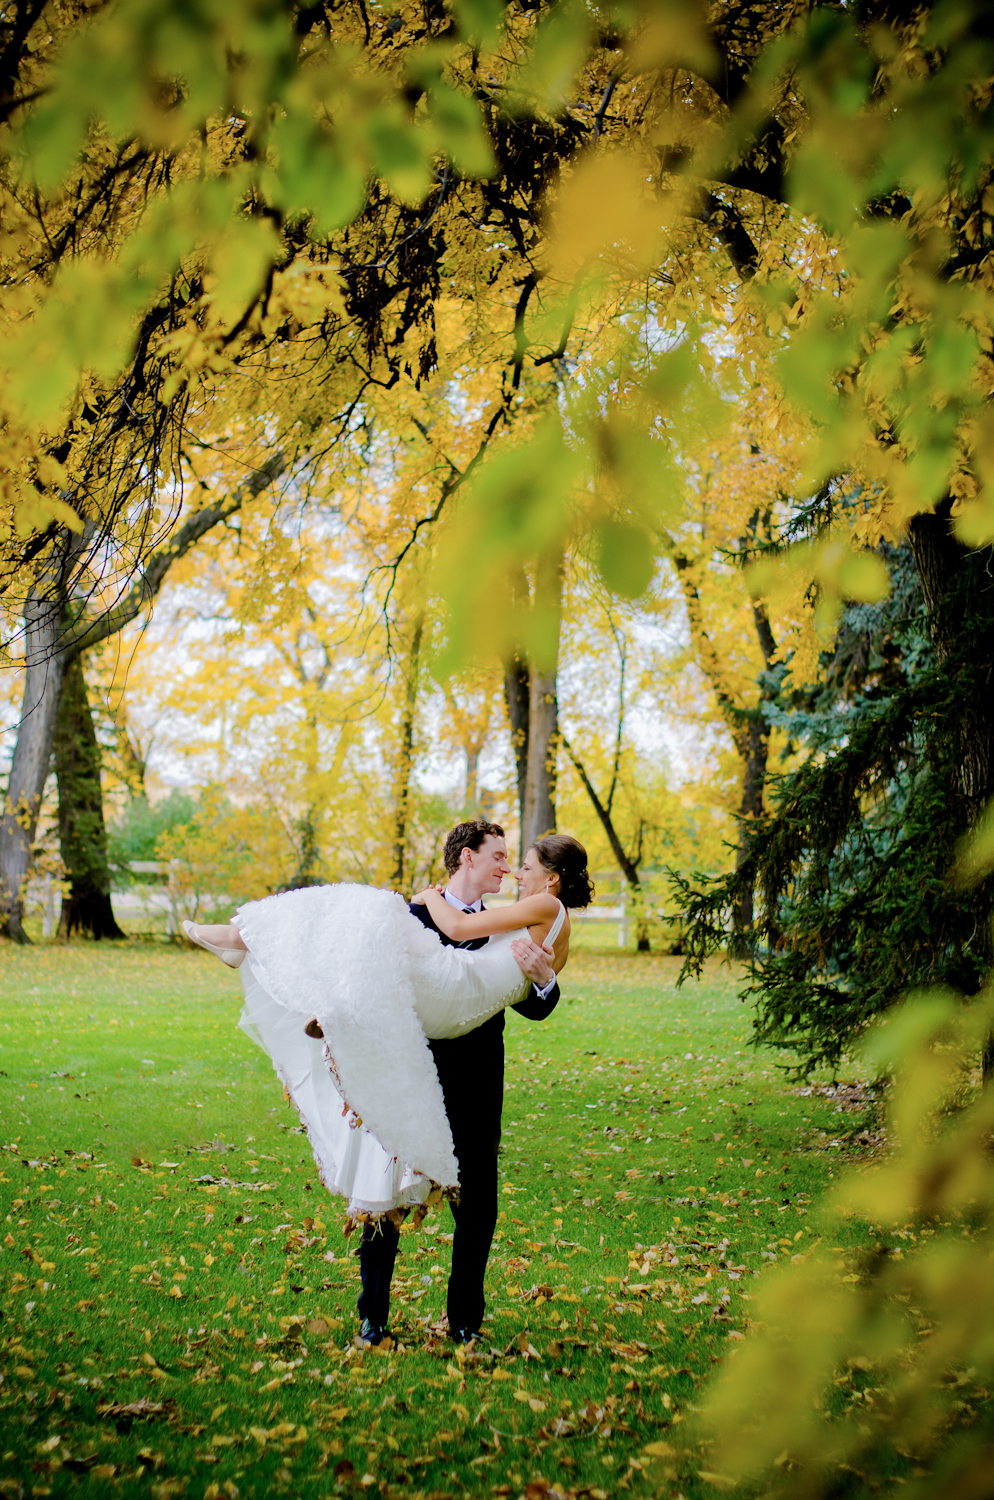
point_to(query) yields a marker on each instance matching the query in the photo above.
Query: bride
(379, 984)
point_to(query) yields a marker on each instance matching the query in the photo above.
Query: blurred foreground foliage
(860, 1375)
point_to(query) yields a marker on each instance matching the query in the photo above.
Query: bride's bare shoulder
(539, 907)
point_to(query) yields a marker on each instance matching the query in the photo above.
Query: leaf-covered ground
(178, 1297)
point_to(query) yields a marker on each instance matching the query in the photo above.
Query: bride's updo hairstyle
(563, 855)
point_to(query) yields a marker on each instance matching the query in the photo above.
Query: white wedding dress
(380, 984)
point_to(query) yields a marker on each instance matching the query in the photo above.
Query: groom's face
(490, 864)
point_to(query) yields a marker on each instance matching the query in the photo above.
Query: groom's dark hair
(467, 836)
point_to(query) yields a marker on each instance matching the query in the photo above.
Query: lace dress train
(380, 984)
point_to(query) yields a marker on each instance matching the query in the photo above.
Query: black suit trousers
(471, 1072)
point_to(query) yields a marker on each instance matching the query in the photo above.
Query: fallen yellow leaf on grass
(339, 1413)
(659, 1450)
(722, 1481)
(520, 1395)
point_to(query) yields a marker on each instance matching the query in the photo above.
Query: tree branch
(727, 223)
(625, 863)
(88, 633)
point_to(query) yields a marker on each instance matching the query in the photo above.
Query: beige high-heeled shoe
(230, 956)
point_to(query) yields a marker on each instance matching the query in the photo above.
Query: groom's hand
(534, 961)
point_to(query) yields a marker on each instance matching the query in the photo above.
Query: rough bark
(517, 698)
(517, 695)
(307, 872)
(539, 810)
(405, 755)
(757, 752)
(82, 832)
(543, 736)
(472, 798)
(956, 582)
(45, 665)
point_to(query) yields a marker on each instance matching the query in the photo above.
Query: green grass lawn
(169, 1249)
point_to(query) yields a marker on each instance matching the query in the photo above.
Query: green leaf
(625, 558)
(480, 21)
(240, 262)
(314, 176)
(459, 127)
(557, 52)
(863, 576)
(51, 140)
(399, 153)
(820, 186)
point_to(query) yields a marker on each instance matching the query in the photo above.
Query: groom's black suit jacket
(482, 1049)
(471, 1072)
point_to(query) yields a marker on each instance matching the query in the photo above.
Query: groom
(471, 1072)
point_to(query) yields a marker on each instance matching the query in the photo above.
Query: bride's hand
(422, 897)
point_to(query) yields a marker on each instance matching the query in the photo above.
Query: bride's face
(533, 878)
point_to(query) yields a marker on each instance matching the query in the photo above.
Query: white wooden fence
(165, 898)
(619, 914)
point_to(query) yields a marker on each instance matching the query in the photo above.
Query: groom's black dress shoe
(371, 1334)
(468, 1336)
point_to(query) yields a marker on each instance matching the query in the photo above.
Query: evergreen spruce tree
(854, 867)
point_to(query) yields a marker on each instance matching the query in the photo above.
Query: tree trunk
(405, 756)
(539, 812)
(471, 801)
(516, 697)
(750, 808)
(543, 736)
(308, 853)
(82, 832)
(956, 582)
(45, 666)
(757, 752)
